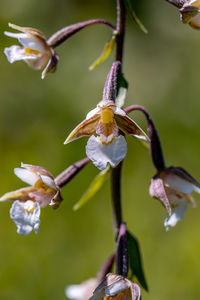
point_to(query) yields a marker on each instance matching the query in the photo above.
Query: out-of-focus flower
(34, 50)
(173, 187)
(81, 291)
(116, 287)
(27, 201)
(109, 147)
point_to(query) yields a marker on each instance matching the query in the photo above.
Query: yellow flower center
(107, 115)
(30, 210)
(31, 51)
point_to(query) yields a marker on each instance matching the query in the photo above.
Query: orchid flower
(108, 121)
(34, 50)
(27, 201)
(109, 147)
(116, 287)
(173, 187)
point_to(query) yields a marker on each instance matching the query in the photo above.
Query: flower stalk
(63, 34)
(155, 145)
(67, 175)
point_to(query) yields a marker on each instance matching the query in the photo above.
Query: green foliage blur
(163, 70)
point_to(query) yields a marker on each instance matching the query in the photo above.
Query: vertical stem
(116, 172)
(121, 23)
(116, 199)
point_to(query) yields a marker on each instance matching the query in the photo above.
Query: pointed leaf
(128, 126)
(106, 52)
(85, 128)
(122, 87)
(134, 16)
(95, 185)
(135, 261)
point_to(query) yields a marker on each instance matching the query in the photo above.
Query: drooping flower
(173, 187)
(34, 50)
(116, 287)
(189, 11)
(109, 146)
(81, 291)
(27, 201)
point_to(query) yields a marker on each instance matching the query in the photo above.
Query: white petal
(33, 43)
(177, 215)
(26, 215)
(26, 175)
(15, 53)
(48, 181)
(102, 154)
(74, 291)
(119, 111)
(92, 113)
(15, 35)
(178, 184)
(116, 288)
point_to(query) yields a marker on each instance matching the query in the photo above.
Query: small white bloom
(34, 49)
(26, 216)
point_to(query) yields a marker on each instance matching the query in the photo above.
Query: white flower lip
(177, 215)
(26, 216)
(101, 154)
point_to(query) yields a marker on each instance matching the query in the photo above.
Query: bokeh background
(163, 70)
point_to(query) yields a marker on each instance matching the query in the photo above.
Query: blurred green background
(163, 70)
